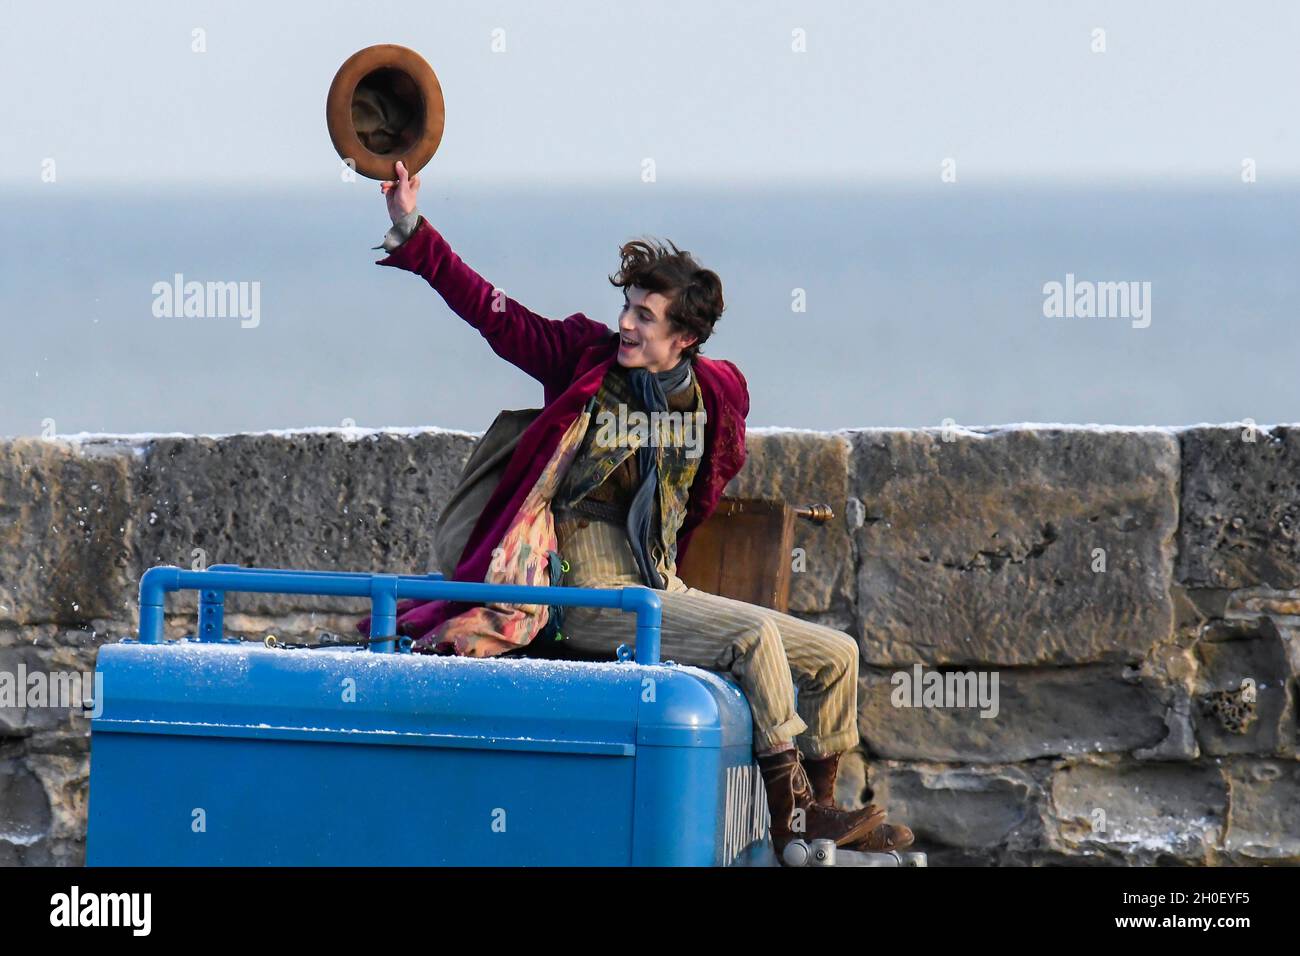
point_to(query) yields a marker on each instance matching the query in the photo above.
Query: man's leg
(763, 649)
(704, 630)
(824, 666)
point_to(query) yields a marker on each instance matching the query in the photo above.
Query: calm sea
(919, 305)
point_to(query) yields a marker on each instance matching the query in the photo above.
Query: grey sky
(711, 91)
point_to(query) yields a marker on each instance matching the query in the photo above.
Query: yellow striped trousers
(767, 652)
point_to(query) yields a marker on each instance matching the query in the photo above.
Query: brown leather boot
(821, 773)
(796, 816)
(884, 838)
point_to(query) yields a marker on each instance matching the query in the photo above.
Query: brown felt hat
(385, 104)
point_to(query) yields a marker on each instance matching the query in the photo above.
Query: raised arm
(547, 349)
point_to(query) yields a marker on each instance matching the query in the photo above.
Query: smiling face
(646, 337)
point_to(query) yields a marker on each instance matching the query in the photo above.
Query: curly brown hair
(694, 293)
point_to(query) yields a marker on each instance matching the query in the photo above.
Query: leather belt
(598, 510)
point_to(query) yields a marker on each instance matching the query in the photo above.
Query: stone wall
(1135, 592)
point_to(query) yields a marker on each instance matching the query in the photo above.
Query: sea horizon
(922, 303)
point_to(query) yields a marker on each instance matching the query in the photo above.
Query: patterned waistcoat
(618, 427)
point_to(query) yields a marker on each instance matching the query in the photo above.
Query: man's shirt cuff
(400, 232)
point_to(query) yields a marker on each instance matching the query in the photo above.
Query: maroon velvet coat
(569, 357)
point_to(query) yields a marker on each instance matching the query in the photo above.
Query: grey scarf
(652, 390)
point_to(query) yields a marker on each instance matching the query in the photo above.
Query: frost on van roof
(216, 656)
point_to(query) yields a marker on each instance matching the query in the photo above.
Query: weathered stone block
(65, 516)
(1265, 822)
(17, 664)
(42, 687)
(313, 501)
(1040, 712)
(26, 816)
(1243, 691)
(65, 779)
(1146, 813)
(1240, 507)
(989, 547)
(963, 808)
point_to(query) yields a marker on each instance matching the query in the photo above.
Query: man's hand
(401, 194)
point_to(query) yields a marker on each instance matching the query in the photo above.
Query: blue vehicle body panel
(225, 752)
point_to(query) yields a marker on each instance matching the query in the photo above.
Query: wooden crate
(743, 550)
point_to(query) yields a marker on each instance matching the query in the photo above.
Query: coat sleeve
(547, 349)
(726, 464)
